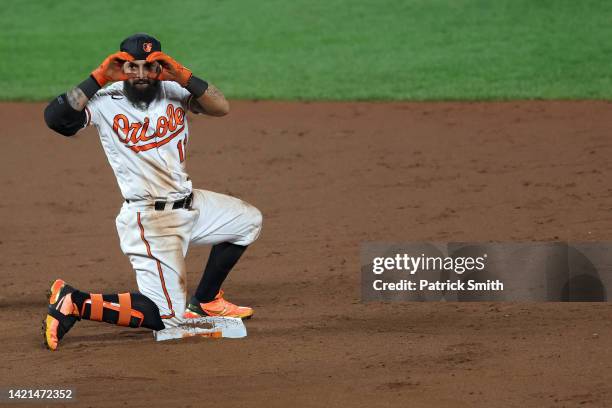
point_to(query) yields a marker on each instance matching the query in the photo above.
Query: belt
(161, 205)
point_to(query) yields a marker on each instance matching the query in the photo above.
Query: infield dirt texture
(327, 176)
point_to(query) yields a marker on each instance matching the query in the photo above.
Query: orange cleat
(61, 315)
(217, 307)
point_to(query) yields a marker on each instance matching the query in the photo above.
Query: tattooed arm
(206, 98)
(65, 114)
(77, 99)
(212, 102)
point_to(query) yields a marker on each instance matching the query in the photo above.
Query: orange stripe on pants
(159, 269)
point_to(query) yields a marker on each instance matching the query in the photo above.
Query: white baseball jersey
(145, 148)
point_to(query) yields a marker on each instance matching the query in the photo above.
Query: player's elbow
(221, 109)
(226, 108)
(56, 123)
(64, 121)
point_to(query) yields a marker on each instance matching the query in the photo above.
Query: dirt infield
(327, 176)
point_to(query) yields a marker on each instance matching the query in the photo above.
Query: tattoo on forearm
(77, 99)
(214, 92)
(212, 102)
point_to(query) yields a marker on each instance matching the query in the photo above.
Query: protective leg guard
(123, 309)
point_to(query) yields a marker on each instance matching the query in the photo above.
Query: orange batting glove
(171, 70)
(111, 69)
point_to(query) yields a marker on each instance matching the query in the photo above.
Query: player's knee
(252, 225)
(150, 311)
(256, 220)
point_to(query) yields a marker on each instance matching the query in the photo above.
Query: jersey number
(182, 147)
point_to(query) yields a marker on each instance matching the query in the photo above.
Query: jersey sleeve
(92, 110)
(177, 93)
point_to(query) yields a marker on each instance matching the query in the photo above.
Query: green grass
(332, 50)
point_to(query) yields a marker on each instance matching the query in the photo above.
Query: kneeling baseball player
(142, 122)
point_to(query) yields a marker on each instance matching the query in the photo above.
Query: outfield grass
(325, 49)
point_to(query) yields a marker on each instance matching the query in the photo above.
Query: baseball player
(142, 123)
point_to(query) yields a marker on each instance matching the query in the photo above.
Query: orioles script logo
(134, 134)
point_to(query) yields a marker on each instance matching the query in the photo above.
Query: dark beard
(141, 99)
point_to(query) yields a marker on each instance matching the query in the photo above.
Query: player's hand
(171, 70)
(111, 69)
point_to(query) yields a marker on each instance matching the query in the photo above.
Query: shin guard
(123, 309)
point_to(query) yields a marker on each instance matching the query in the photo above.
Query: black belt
(184, 203)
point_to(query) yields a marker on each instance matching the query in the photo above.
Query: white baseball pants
(156, 242)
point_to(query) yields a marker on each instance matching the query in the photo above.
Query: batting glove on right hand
(111, 69)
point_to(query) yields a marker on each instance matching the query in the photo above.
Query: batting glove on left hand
(171, 70)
